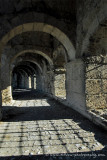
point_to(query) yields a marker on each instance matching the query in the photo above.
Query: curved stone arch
(33, 51)
(23, 72)
(27, 60)
(27, 68)
(41, 27)
(24, 65)
(37, 64)
(92, 28)
(30, 67)
(20, 73)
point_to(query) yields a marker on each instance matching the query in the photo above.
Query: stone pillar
(26, 82)
(0, 105)
(75, 85)
(32, 82)
(50, 82)
(42, 82)
(23, 81)
(19, 80)
(38, 82)
(44, 78)
(0, 97)
(6, 81)
(14, 81)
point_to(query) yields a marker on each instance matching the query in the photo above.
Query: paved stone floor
(37, 127)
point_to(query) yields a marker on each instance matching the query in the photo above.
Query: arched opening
(51, 61)
(41, 27)
(25, 77)
(30, 70)
(56, 34)
(36, 27)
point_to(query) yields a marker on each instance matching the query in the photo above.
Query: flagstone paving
(38, 127)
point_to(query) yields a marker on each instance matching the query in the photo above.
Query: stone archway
(41, 27)
(35, 52)
(26, 26)
(91, 30)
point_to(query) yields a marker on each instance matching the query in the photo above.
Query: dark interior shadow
(27, 94)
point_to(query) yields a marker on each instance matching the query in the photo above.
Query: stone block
(104, 86)
(93, 86)
(96, 101)
(104, 72)
(92, 72)
(6, 95)
(28, 27)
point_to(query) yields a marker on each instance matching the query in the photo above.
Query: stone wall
(76, 97)
(5, 80)
(0, 98)
(55, 23)
(96, 84)
(90, 15)
(6, 95)
(59, 85)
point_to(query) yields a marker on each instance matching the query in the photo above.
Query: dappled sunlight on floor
(43, 126)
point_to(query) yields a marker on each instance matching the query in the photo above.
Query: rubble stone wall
(59, 85)
(96, 83)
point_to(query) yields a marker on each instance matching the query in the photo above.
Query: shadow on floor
(95, 155)
(55, 111)
(27, 94)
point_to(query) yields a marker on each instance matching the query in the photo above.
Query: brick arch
(41, 27)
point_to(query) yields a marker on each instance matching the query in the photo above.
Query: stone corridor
(38, 127)
(53, 79)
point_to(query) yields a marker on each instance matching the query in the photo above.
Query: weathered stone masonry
(58, 48)
(96, 85)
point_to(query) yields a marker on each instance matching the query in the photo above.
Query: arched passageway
(26, 75)
(48, 64)
(52, 60)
